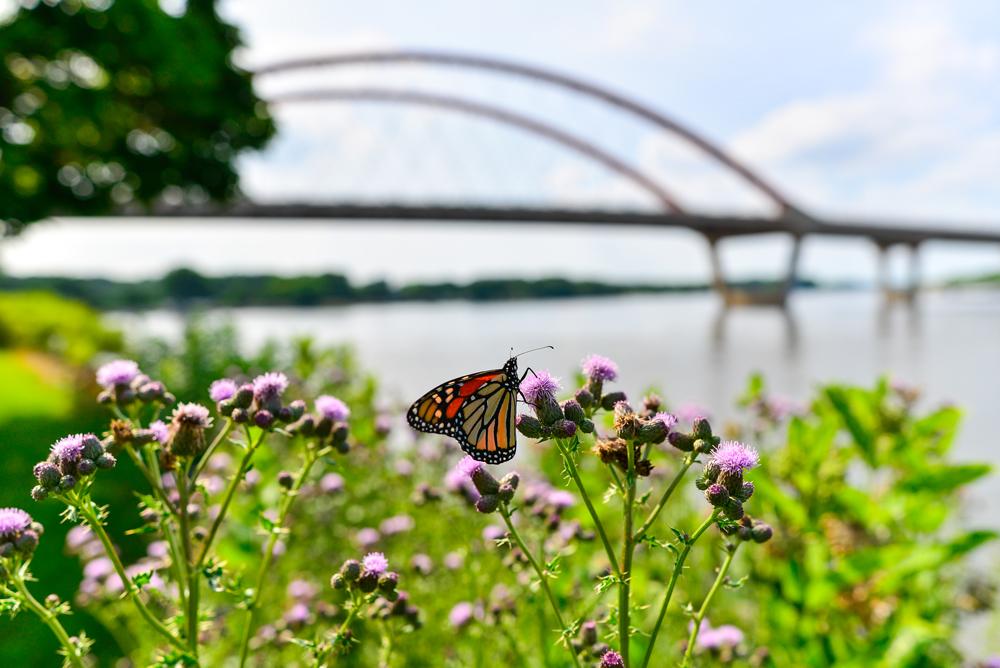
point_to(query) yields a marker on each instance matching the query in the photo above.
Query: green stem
(46, 615)
(154, 483)
(286, 505)
(191, 614)
(575, 474)
(210, 450)
(385, 651)
(641, 533)
(730, 553)
(678, 568)
(543, 580)
(228, 498)
(625, 578)
(93, 521)
(177, 563)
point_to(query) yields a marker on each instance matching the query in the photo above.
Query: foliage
(866, 567)
(62, 327)
(105, 104)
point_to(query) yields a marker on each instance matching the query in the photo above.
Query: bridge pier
(776, 295)
(907, 293)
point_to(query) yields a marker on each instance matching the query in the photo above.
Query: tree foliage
(105, 105)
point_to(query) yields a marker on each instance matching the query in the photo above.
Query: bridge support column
(792, 276)
(906, 293)
(764, 296)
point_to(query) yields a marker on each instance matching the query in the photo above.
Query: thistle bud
(488, 503)
(388, 581)
(563, 428)
(39, 493)
(187, 430)
(240, 416)
(547, 409)
(86, 466)
(746, 492)
(626, 421)
(506, 492)
(512, 479)
(106, 461)
(652, 403)
(151, 391)
(733, 509)
(305, 425)
(529, 426)
(717, 495)
(243, 397)
(339, 436)
(732, 481)
(67, 482)
(608, 401)
(297, 409)
(484, 481)
(338, 581)
(286, 479)
(368, 582)
(682, 442)
(700, 428)
(27, 542)
(47, 474)
(587, 427)
(711, 471)
(573, 411)
(351, 570)
(584, 398)
(653, 431)
(761, 532)
(263, 418)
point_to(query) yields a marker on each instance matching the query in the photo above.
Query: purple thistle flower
(494, 532)
(160, 431)
(735, 457)
(668, 419)
(301, 589)
(117, 372)
(461, 615)
(12, 522)
(297, 615)
(375, 562)
(538, 386)
(459, 477)
(612, 659)
(332, 408)
(596, 367)
(222, 389)
(560, 498)
(192, 414)
(396, 524)
(331, 483)
(367, 537)
(98, 569)
(69, 448)
(269, 385)
(689, 412)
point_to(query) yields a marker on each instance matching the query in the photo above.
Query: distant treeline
(183, 287)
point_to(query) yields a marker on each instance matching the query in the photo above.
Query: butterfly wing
(477, 410)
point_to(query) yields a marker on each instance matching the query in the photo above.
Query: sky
(872, 110)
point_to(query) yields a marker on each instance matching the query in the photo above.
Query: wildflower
(332, 408)
(301, 590)
(351, 570)
(222, 389)
(596, 367)
(461, 615)
(615, 451)
(609, 400)
(331, 483)
(731, 458)
(459, 478)
(160, 431)
(454, 561)
(724, 636)
(483, 480)
(187, 429)
(270, 385)
(539, 386)
(396, 524)
(761, 532)
(286, 479)
(560, 499)
(422, 564)
(117, 373)
(70, 458)
(297, 616)
(626, 421)
(529, 426)
(18, 533)
(689, 412)
(375, 562)
(493, 533)
(367, 537)
(612, 659)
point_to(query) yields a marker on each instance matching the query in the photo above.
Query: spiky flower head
(192, 414)
(13, 521)
(117, 372)
(160, 431)
(612, 659)
(540, 386)
(597, 367)
(187, 429)
(68, 449)
(222, 389)
(332, 408)
(269, 385)
(669, 420)
(735, 457)
(375, 562)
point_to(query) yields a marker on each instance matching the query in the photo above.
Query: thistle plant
(179, 459)
(627, 451)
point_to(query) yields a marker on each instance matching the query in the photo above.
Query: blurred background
(699, 191)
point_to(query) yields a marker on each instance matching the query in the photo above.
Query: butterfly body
(478, 410)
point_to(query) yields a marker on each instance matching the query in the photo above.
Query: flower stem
(228, 498)
(210, 450)
(641, 533)
(85, 507)
(191, 614)
(575, 474)
(542, 577)
(678, 568)
(50, 619)
(286, 505)
(625, 577)
(730, 553)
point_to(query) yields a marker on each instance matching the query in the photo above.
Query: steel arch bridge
(790, 219)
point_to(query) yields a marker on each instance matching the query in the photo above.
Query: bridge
(670, 212)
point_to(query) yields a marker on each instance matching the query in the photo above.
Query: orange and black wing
(478, 410)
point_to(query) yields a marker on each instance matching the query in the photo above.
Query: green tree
(106, 105)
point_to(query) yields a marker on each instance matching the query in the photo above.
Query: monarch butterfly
(477, 410)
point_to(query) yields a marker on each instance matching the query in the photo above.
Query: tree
(108, 105)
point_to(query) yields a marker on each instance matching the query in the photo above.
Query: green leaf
(944, 478)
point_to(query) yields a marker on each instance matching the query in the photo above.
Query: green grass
(34, 386)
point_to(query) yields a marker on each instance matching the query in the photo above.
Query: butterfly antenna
(531, 351)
